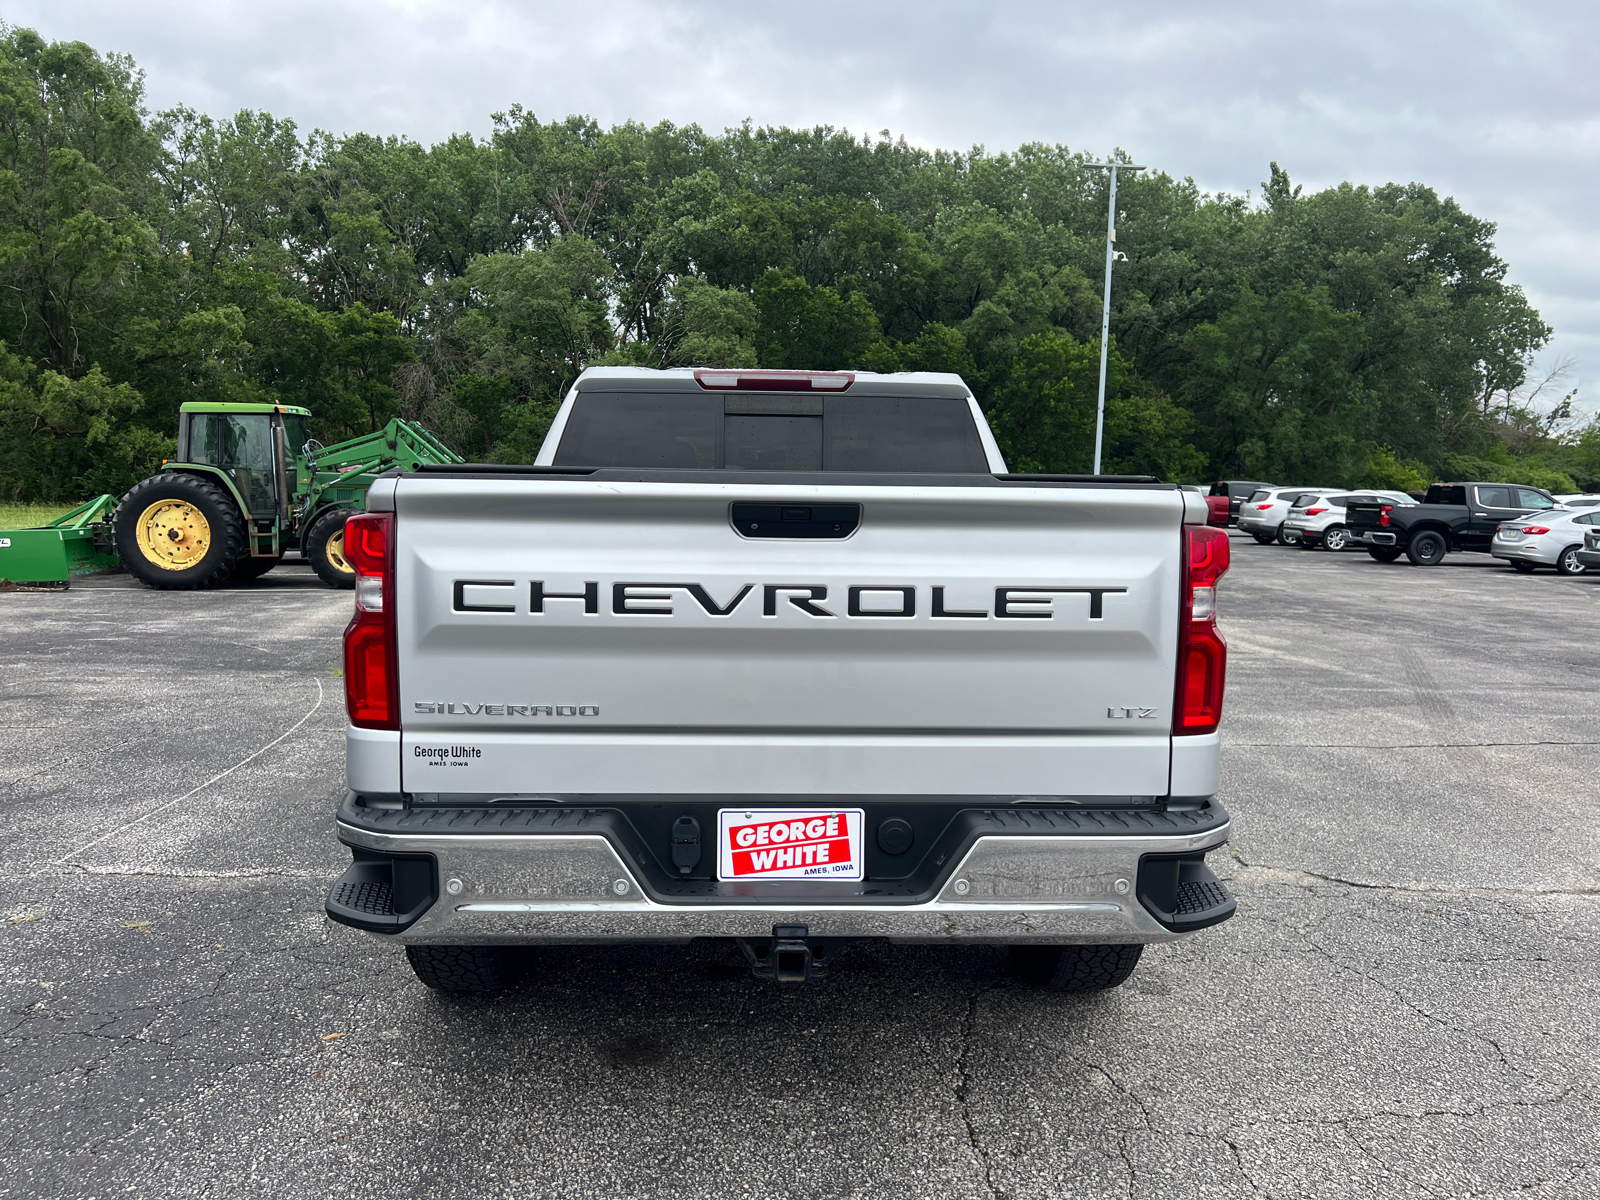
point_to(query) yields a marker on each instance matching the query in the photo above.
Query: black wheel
(1266, 539)
(1568, 563)
(1383, 553)
(251, 566)
(178, 531)
(1076, 968)
(325, 549)
(1525, 568)
(464, 969)
(1427, 549)
(1335, 537)
(1285, 538)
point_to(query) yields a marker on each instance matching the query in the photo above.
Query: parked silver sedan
(1551, 538)
(1262, 515)
(1317, 519)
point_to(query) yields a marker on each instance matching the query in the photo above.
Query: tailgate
(586, 637)
(1362, 515)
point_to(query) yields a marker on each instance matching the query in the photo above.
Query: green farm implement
(248, 485)
(75, 543)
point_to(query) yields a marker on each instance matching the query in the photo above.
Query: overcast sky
(1497, 104)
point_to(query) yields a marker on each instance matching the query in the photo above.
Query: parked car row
(1527, 526)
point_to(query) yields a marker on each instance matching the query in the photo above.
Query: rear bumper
(1374, 537)
(509, 876)
(1525, 551)
(1589, 558)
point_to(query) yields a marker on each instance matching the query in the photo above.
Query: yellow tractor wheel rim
(336, 556)
(174, 534)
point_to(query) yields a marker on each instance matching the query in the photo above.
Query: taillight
(1311, 512)
(1383, 514)
(1202, 654)
(1535, 529)
(1264, 507)
(371, 678)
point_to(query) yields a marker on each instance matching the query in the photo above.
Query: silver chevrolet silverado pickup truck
(786, 658)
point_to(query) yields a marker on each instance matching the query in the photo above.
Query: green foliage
(1387, 471)
(811, 328)
(1351, 335)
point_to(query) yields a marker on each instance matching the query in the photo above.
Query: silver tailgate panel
(789, 703)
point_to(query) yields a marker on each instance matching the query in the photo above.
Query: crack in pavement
(964, 1082)
(1261, 873)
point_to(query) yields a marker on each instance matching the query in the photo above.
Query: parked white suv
(1317, 518)
(1263, 514)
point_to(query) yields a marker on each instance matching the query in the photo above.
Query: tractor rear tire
(179, 532)
(325, 549)
(251, 566)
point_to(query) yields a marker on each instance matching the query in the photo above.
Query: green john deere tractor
(248, 484)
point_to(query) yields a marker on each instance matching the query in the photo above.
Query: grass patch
(25, 516)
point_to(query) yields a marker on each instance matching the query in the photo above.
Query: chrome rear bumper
(567, 888)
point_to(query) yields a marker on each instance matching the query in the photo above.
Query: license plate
(789, 843)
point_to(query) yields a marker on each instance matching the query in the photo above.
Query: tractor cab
(256, 451)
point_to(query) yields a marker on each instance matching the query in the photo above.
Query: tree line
(1358, 335)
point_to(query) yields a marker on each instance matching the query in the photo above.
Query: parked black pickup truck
(1452, 516)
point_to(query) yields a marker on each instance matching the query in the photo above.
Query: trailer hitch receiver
(790, 956)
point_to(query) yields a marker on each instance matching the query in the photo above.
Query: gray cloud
(1494, 103)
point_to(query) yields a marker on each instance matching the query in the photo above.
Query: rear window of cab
(756, 432)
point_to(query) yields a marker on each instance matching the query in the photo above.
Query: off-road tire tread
(316, 542)
(1076, 968)
(461, 969)
(227, 531)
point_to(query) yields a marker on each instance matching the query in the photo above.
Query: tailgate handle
(794, 520)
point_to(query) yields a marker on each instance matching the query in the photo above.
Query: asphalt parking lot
(1407, 1004)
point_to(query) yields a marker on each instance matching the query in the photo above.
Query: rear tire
(1285, 538)
(1568, 564)
(325, 549)
(1522, 568)
(463, 970)
(178, 532)
(1335, 538)
(1076, 968)
(1383, 553)
(1427, 549)
(251, 567)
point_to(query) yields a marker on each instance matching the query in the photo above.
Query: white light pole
(1105, 311)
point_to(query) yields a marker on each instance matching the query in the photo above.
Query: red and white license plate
(791, 843)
